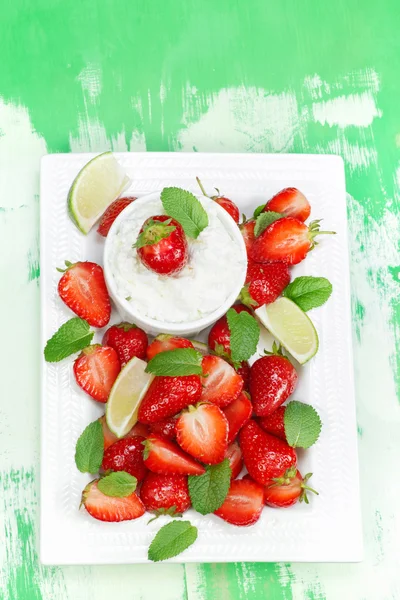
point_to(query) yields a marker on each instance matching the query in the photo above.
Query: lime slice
(100, 182)
(125, 396)
(291, 327)
(200, 346)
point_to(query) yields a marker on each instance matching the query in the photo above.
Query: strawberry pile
(212, 433)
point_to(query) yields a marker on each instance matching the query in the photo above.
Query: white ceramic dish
(153, 326)
(329, 529)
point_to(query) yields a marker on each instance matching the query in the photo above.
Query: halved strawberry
(111, 213)
(164, 342)
(165, 492)
(234, 455)
(110, 438)
(287, 490)
(167, 396)
(107, 508)
(275, 423)
(238, 413)
(166, 427)
(127, 340)
(287, 240)
(243, 504)
(247, 230)
(126, 455)
(202, 431)
(163, 456)
(96, 369)
(221, 383)
(290, 202)
(264, 283)
(84, 291)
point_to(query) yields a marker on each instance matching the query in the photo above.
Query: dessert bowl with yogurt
(194, 298)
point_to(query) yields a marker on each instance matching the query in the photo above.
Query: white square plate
(329, 528)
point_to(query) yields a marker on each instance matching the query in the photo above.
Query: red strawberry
(162, 245)
(287, 490)
(265, 456)
(243, 504)
(287, 240)
(165, 342)
(108, 508)
(84, 291)
(96, 369)
(290, 202)
(264, 283)
(111, 213)
(234, 454)
(225, 203)
(126, 455)
(272, 379)
(163, 456)
(167, 396)
(220, 335)
(244, 372)
(166, 428)
(274, 423)
(238, 413)
(138, 429)
(127, 340)
(221, 384)
(165, 492)
(110, 438)
(202, 431)
(247, 230)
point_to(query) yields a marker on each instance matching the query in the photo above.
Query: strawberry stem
(203, 191)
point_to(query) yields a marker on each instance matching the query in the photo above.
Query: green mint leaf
(90, 448)
(208, 491)
(171, 540)
(264, 220)
(73, 336)
(245, 333)
(176, 363)
(258, 211)
(302, 424)
(118, 484)
(308, 292)
(185, 208)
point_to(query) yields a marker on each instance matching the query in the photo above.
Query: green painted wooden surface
(226, 75)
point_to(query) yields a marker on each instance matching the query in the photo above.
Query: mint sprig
(176, 363)
(308, 292)
(71, 337)
(118, 484)
(264, 220)
(258, 210)
(244, 335)
(302, 424)
(208, 491)
(90, 448)
(185, 208)
(171, 540)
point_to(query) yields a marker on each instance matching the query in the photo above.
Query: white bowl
(153, 326)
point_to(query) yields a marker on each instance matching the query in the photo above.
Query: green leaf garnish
(245, 333)
(302, 424)
(176, 363)
(258, 210)
(264, 220)
(308, 292)
(90, 448)
(171, 540)
(208, 491)
(186, 209)
(72, 336)
(118, 484)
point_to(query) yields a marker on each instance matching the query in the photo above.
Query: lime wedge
(291, 327)
(126, 395)
(100, 182)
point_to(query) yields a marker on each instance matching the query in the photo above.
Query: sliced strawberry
(165, 492)
(108, 508)
(163, 456)
(83, 289)
(126, 455)
(127, 340)
(202, 431)
(243, 504)
(247, 230)
(221, 384)
(264, 283)
(165, 342)
(167, 396)
(166, 428)
(238, 413)
(96, 369)
(111, 213)
(110, 438)
(287, 490)
(274, 423)
(162, 246)
(234, 454)
(290, 202)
